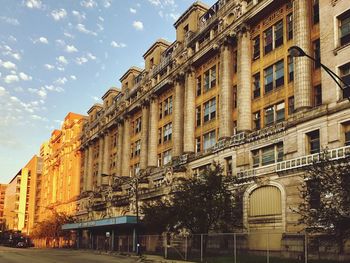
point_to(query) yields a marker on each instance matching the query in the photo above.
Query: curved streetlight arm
(296, 51)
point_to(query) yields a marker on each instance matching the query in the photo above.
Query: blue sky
(61, 56)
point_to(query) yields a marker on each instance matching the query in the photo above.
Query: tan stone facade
(225, 90)
(59, 185)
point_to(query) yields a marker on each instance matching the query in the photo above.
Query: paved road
(34, 255)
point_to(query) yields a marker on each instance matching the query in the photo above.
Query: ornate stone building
(225, 90)
(59, 185)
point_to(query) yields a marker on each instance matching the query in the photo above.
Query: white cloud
(82, 28)
(132, 10)
(49, 67)
(62, 60)
(25, 77)
(95, 98)
(42, 40)
(79, 15)
(91, 56)
(81, 60)
(37, 117)
(59, 14)
(73, 77)
(174, 16)
(107, 3)
(101, 19)
(12, 38)
(100, 27)
(11, 78)
(53, 88)
(2, 91)
(60, 42)
(10, 20)
(162, 3)
(117, 45)
(138, 25)
(60, 68)
(71, 49)
(42, 93)
(66, 34)
(8, 64)
(88, 3)
(61, 81)
(33, 4)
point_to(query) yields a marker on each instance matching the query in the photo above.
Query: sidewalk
(160, 259)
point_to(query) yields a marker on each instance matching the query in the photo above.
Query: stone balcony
(306, 160)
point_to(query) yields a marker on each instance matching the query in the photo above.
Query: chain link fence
(257, 247)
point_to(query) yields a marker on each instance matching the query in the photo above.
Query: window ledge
(336, 50)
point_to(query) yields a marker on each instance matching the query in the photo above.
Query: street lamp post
(134, 183)
(295, 51)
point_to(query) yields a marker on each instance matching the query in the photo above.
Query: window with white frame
(274, 114)
(166, 157)
(209, 110)
(168, 106)
(209, 140)
(137, 148)
(268, 155)
(167, 132)
(274, 76)
(345, 76)
(273, 37)
(344, 28)
(210, 78)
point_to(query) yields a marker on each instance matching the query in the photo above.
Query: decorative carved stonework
(263, 180)
(334, 2)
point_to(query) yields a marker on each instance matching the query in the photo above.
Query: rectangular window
(269, 116)
(166, 157)
(137, 147)
(256, 48)
(198, 144)
(167, 132)
(347, 136)
(206, 81)
(138, 125)
(290, 105)
(280, 153)
(168, 106)
(290, 26)
(316, 12)
(199, 86)
(234, 97)
(268, 41)
(279, 72)
(228, 162)
(345, 76)
(213, 77)
(317, 95)
(317, 53)
(280, 112)
(344, 28)
(160, 110)
(209, 140)
(290, 69)
(278, 33)
(209, 110)
(160, 136)
(235, 63)
(256, 158)
(268, 155)
(315, 196)
(268, 74)
(198, 116)
(257, 120)
(256, 85)
(314, 141)
(159, 160)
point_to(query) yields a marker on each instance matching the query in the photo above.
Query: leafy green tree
(326, 198)
(200, 204)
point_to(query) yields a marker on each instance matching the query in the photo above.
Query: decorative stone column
(144, 135)
(126, 147)
(189, 117)
(86, 160)
(106, 155)
(89, 181)
(100, 160)
(302, 65)
(178, 116)
(244, 72)
(153, 131)
(120, 149)
(226, 91)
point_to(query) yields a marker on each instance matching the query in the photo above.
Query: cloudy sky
(61, 56)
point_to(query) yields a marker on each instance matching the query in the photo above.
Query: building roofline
(195, 5)
(160, 41)
(130, 70)
(96, 105)
(111, 90)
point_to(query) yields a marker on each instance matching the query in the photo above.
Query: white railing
(333, 154)
(258, 171)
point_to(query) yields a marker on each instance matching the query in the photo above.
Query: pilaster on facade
(89, 172)
(189, 118)
(226, 89)
(120, 148)
(101, 155)
(144, 135)
(303, 76)
(153, 138)
(106, 156)
(126, 147)
(178, 119)
(244, 100)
